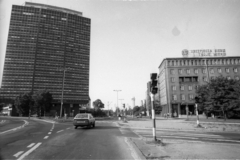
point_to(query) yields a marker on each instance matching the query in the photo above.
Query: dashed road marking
(46, 137)
(69, 128)
(59, 131)
(49, 132)
(18, 154)
(32, 144)
(29, 151)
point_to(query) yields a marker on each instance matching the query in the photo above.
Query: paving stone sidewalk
(182, 124)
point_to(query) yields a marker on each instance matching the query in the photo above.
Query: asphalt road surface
(42, 140)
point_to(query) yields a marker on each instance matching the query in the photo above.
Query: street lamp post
(63, 81)
(108, 108)
(117, 95)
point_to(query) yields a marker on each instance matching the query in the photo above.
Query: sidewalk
(182, 124)
(180, 149)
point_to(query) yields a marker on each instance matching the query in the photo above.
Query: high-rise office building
(48, 47)
(179, 78)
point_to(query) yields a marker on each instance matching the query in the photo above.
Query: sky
(129, 39)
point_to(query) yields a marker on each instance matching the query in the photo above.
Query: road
(42, 140)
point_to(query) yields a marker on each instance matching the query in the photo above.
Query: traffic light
(196, 99)
(123, 105)
(153, 88)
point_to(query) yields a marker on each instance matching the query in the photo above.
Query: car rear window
(81, 116)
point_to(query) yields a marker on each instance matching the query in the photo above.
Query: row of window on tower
(204, 70)
(183, 97)
(203, 62)
(196, 79)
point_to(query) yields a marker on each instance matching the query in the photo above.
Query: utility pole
(117, 96)
(63, 81)
(108, 108)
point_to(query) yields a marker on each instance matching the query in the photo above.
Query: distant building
(44, 42)
(179, 77)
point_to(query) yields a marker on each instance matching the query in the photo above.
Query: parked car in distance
(84, 119)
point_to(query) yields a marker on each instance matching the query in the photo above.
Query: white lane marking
(53, 126)
(68, 128)
(18, 154)
(32, 144)
(46, 137)
(26, 123)
(29, 151)
(59, 131)
(49, 132)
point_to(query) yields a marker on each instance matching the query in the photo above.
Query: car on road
(84, 119)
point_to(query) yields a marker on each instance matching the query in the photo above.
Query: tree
(97, 104)
(28, 103)
(157, 104)
(220, 95)
(136, 110)
(24, 104)
(1, 107)
(42, 102)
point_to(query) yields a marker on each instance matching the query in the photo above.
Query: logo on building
(185, 53)
(204, 53)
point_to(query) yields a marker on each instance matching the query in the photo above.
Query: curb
(48, 121)
(14, 129)
(137, 153)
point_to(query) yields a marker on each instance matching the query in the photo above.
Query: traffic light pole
(197, 114)
(153, 118)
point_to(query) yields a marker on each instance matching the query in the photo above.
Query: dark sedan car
(84, 119)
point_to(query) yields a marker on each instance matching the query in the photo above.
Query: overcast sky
(129, 39)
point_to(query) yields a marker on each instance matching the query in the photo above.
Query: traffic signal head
(153, 76)
(123, 105)
(196, 99)
(153, 88)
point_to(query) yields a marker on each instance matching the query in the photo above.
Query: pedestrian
(56, 115)
(167, 115)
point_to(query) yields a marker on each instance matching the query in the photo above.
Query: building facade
(179, 77)
(48, 47)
